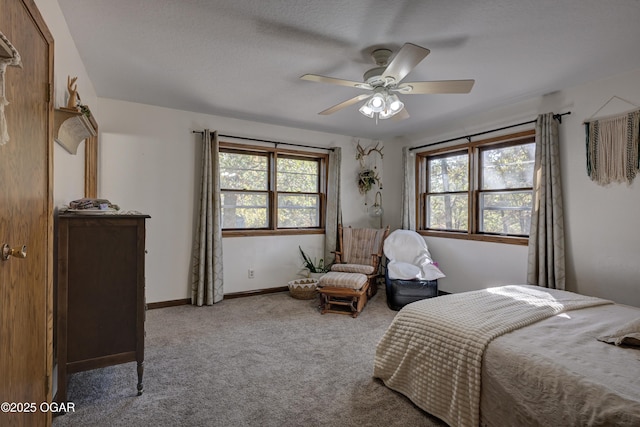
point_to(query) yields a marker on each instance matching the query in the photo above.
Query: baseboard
(173, 303)
(187, 301)
(256, 292)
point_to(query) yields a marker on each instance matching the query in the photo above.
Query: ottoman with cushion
(344, 293)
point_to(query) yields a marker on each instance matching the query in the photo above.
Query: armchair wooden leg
(373, 287)
(344, 300)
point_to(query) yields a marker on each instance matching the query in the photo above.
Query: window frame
(428, 192)
(474, 173)
(272, 154)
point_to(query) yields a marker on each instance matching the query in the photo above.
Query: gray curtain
(333, 213)
(408, 208)
(206, 279)
(546, 263)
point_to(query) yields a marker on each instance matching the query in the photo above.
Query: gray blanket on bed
(556, 373)
(432, 352)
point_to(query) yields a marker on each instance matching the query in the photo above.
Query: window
(481, 190)
(506, 189)
(298, 192)
(271, 190)
(448, 195)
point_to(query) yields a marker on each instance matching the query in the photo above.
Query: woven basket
(303, 288)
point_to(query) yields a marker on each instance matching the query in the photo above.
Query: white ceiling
(243, 58)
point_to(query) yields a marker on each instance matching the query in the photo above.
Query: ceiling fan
(385, 81)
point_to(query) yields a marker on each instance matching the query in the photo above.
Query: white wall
(68, 169)
(602, 223)
(148, 161)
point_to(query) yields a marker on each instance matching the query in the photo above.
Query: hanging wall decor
(8, 56)
(612, 145)
(73, 123)
(368, 175)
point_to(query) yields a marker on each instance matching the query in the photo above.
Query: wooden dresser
(99, 296)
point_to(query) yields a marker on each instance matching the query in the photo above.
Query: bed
(515, 356)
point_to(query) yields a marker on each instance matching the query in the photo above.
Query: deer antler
(379, 150)
(360, 153)
(364, 153)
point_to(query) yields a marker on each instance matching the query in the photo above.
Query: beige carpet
(267, 360)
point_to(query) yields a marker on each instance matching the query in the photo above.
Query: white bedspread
(432, 352)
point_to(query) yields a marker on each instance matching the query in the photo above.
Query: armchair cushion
(343, 280)
(362, 245)
(353, 268)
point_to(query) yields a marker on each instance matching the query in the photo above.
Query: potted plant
(367, 178)
(314, 269)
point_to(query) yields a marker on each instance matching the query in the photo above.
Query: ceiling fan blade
(443, 86)
(405, 60)
(334, 81)
(345, 104)
(402, 115)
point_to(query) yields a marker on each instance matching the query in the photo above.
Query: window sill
(283, 232)
(521, 241)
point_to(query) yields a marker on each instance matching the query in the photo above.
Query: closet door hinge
(49, 92)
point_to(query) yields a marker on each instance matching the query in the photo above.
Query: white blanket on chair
(432, 351)
(409, 257)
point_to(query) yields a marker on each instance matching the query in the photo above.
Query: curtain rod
(268, 141)
(558, 117)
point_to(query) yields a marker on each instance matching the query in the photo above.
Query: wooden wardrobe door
(26, 218)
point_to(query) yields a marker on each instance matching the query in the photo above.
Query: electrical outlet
(250, 273)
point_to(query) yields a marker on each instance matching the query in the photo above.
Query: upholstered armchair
(352, 279)
(360, 252)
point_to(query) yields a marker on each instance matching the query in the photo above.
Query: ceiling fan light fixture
(377, 102)
(366, 110)
(394, 104)
(387, 113)
(382, 105)
(382, 115)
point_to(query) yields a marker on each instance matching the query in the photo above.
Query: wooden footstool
(344, 293)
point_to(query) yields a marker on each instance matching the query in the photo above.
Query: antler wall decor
(362, 154)
(368, 176)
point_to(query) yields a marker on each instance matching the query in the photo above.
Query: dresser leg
(140, 373)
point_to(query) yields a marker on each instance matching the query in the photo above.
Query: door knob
(8, 251)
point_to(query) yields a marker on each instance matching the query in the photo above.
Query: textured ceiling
(243, 58)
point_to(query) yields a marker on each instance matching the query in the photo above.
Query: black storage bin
(403, 292)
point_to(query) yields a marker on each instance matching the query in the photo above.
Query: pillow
(628, 334)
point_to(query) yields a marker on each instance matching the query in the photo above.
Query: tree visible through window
(448, 197)
(269, 189)
(298, 184)
(506, 189)
(244, 180)
(481, 188)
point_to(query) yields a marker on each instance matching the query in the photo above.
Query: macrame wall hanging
(612, 146)
(8, 56)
